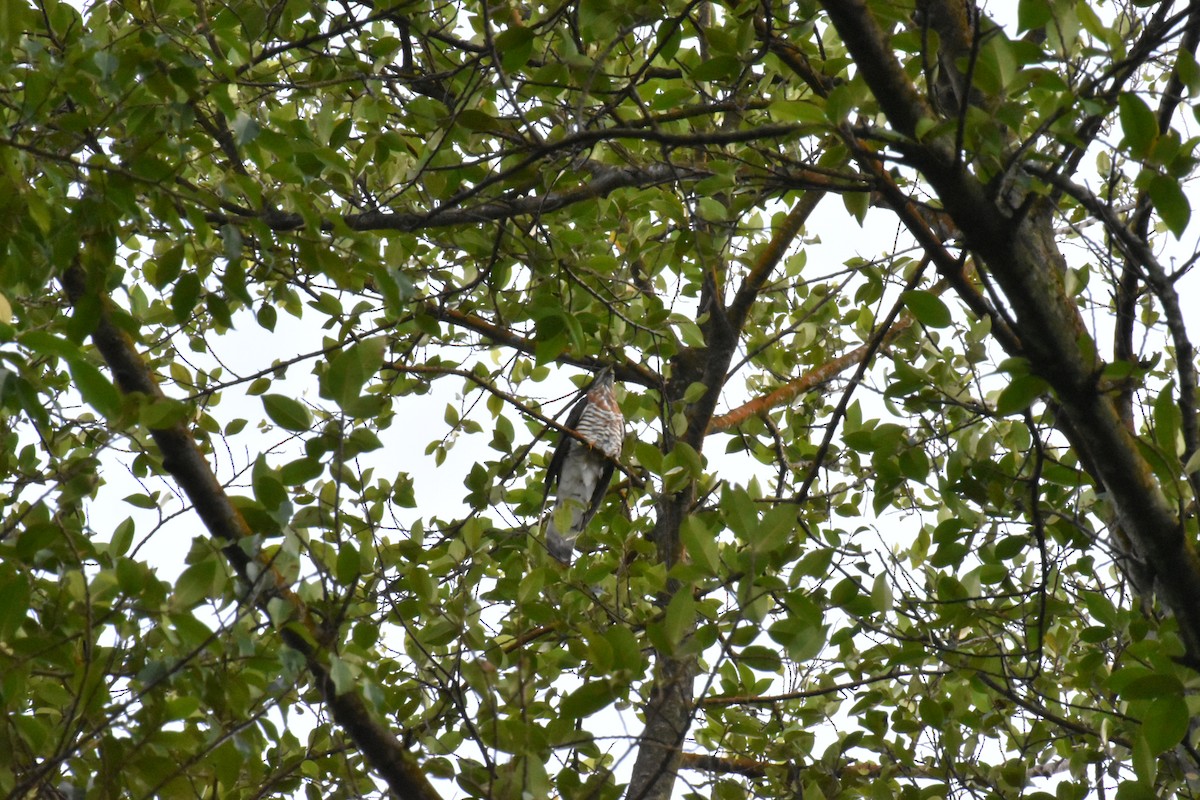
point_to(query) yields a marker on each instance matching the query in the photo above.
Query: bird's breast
(603, 428)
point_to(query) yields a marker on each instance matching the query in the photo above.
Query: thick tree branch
(786, 697)
(720, 348)
(1022, 255)
(605, 181)
(770, 257)
(671, 705)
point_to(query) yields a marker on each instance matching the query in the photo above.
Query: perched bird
(582, 469)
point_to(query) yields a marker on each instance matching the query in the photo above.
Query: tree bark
(671, 704)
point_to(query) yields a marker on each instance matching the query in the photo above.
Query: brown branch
(1136, 250)
(755, 768)
(670, 708)
(1042, 712)
(928, 227)
(185, 462)
(1022, 255)
(626, 372)
(769, 699)
(727, 765)
(770, 257)
(805, 383)
(727, 325)
(606, 181)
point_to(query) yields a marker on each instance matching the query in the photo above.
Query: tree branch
(1022, 255)
(188, 466)
(770, 257)
(805, 383)
(626, 371)
(670, 707)
(769, 699)
(1137, 251)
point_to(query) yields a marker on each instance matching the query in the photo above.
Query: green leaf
(1020, 393)
(844, 592)
(14, 604)
(1153, 685)
(1165, 723)
(167, 267)
(627, 652)
(700, 544)
(343, 674)
(95, 387)
(588, 699)
(160, 413)
(287, 413)
(760, 658)
(347, 564)
(1135, 790)
(350, 369)
(775, 530)
(881, 593)
(185, 296)
(122, 538)
(515, 46)
(1033, 14)
(801, 637)
(858, 204)
(1138, 123)
(268, 488)
(195, 584)
(245, 129)
(300, 471)
(47, 344)
(927, 308)
(717, 68)
(680, 616)
(1167, 420)
(1170, 201)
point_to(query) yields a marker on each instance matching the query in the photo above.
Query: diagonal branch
(770, 257)
(670, 708)
(1137, 251)
(606, 180)
(386, 754)
(1022, 255)
(805, 383)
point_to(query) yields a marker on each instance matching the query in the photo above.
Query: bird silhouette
(580, 471)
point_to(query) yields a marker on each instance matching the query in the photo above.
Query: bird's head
(603, 379)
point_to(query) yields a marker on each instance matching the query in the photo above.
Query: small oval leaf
(287, 413)
(927, 308)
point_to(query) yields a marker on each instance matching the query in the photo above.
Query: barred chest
(603, 426)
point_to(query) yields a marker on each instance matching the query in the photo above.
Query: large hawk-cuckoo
(582, 469)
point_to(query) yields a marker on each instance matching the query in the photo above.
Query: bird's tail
(562, 529)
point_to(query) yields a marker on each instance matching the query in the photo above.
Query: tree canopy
(297, 295)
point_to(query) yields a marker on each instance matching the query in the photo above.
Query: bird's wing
(564, 443)
(599, 491)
